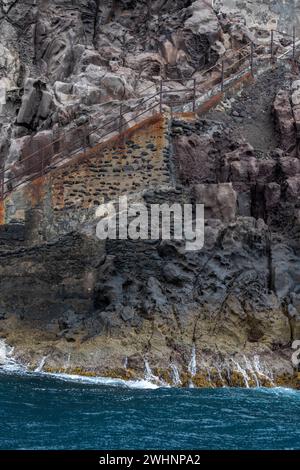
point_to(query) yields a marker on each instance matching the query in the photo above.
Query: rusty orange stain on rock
(112, 142)
(209, 104)
(35, 191)
(2, 213)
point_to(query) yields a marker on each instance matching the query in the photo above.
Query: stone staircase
(123, 162)
(65, 197)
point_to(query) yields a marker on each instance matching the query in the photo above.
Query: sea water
(49, 412)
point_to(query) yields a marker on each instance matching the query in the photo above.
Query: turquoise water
(40, 412)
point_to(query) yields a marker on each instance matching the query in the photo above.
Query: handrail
(283, 33)
(62, 140)
(56, 157)
(83, 126)
(70, 131)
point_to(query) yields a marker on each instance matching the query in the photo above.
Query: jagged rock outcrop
(36, 105)
(284, 115)
(219, 200)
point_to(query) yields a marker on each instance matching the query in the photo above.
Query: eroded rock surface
(63, 61)
(224, 315)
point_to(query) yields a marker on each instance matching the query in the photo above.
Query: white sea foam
(41, 364)
(243, 373)
(10, 365)
(175, 374)
(192, 367)
(150, 377)
(254, 369)
(138, 384)
(7, 361)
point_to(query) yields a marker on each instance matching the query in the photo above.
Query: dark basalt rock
(92, 304)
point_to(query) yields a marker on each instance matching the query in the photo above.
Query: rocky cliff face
(226, 315)
(62, 60)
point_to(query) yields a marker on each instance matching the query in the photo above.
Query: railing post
(2, 184)
(84, 138)
(65, 143)
(90, 126)
(222, 77)
(251, 59)
(294, 43)
(42, 166)
(272, 45)
(194, 99)
(160, 96)
(120, 118)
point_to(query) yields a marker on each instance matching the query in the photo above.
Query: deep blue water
(40, 412)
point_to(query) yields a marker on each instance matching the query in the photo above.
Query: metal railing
(77, 141)
(45, 159)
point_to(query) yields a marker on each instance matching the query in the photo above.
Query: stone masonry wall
(137, 161)
(69, 195)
